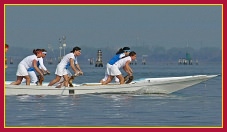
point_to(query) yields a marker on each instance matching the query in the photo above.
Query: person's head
(132, 54)
(6, 47)
(44, 53)
(76, 51)
(126, 51)
(38, 52)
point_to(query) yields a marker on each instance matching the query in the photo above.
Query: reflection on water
(199, 105)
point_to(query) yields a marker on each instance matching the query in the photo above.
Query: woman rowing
(41, 66)
(114, 70)
(28, 62)
(69, 60)
(122, 52)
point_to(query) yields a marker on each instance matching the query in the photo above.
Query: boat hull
(165, 85)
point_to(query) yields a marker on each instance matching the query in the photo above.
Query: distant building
(91, 61)
(144, 59)
(196, 62)
(98, 62)
(186, 61)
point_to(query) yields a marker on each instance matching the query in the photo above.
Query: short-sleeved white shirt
(66, 58)
(113, 70)
(121, 63)
(65, 64)
(27, 61)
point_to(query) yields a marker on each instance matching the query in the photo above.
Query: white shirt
(66, 58)
(41, 65)
(27, 61)
(121, 63)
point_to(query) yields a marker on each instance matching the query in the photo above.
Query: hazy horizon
(114, 26)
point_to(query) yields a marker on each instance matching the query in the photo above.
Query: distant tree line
(153, 54)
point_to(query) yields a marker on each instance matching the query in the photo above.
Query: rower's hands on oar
(78, 73)
(81, 73)
(128, 78)
(46, 72)
(73, 77)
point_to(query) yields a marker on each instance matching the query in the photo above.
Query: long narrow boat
(164, 85)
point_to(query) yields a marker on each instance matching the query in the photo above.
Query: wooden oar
(128, 79)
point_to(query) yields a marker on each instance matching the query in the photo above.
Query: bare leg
(66, 82)
(60, 83)
(109, 79)
(28, 80)
(57, 78)
(71, 81)
(121, 79)
(40, 80)
(18, 81)
(104, 79)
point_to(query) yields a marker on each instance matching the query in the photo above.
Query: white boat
(164, 85)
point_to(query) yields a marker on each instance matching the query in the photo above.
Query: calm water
(199, 105)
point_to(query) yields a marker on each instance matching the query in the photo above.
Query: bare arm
(71, 61)
(36, 68)
(42, 66)
(127, 68)
(78, 67)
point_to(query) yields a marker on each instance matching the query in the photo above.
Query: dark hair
(122, 50)
(132, 53)
(6, 46)
(35, 51)
(126, 48)
(75, 49)
(43, 50)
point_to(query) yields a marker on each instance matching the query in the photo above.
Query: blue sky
(114, 26)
